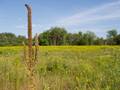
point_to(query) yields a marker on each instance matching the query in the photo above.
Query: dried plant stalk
(32, 56)
(29, 9)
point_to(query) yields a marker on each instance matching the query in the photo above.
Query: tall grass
(63, 68)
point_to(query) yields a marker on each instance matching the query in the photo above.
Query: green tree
(57, 35)
(73, 39)
(44, 38)
(99, 41)
(111, 34)
(89, 38)
(20, 39)
(53, 36)
(117, 39)
(7, 39)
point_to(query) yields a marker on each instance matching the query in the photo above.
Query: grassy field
(63, 68)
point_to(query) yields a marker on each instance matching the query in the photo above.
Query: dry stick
(29, 32)
(31, 56)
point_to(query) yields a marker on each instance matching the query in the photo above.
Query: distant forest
(60, 36)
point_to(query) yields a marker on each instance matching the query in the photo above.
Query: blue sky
(98, 16)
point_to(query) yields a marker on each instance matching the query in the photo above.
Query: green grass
(63, 68)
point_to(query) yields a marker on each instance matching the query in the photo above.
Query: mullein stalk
(30, 55)
(29, 9)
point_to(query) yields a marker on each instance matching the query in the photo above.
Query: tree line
(60, 36)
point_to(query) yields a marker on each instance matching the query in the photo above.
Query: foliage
(63, 68)
(9, 39)
(111, 37)
(60, 36)
(54, 36)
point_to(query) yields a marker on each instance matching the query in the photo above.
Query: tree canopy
(60, 36)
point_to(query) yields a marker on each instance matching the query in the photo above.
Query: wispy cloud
(103, 12)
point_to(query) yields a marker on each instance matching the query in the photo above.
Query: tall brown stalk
(31, 55)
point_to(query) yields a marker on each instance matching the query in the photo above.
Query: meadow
(63, 68)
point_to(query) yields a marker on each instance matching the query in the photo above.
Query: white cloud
(104, 12)
(108, 11)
